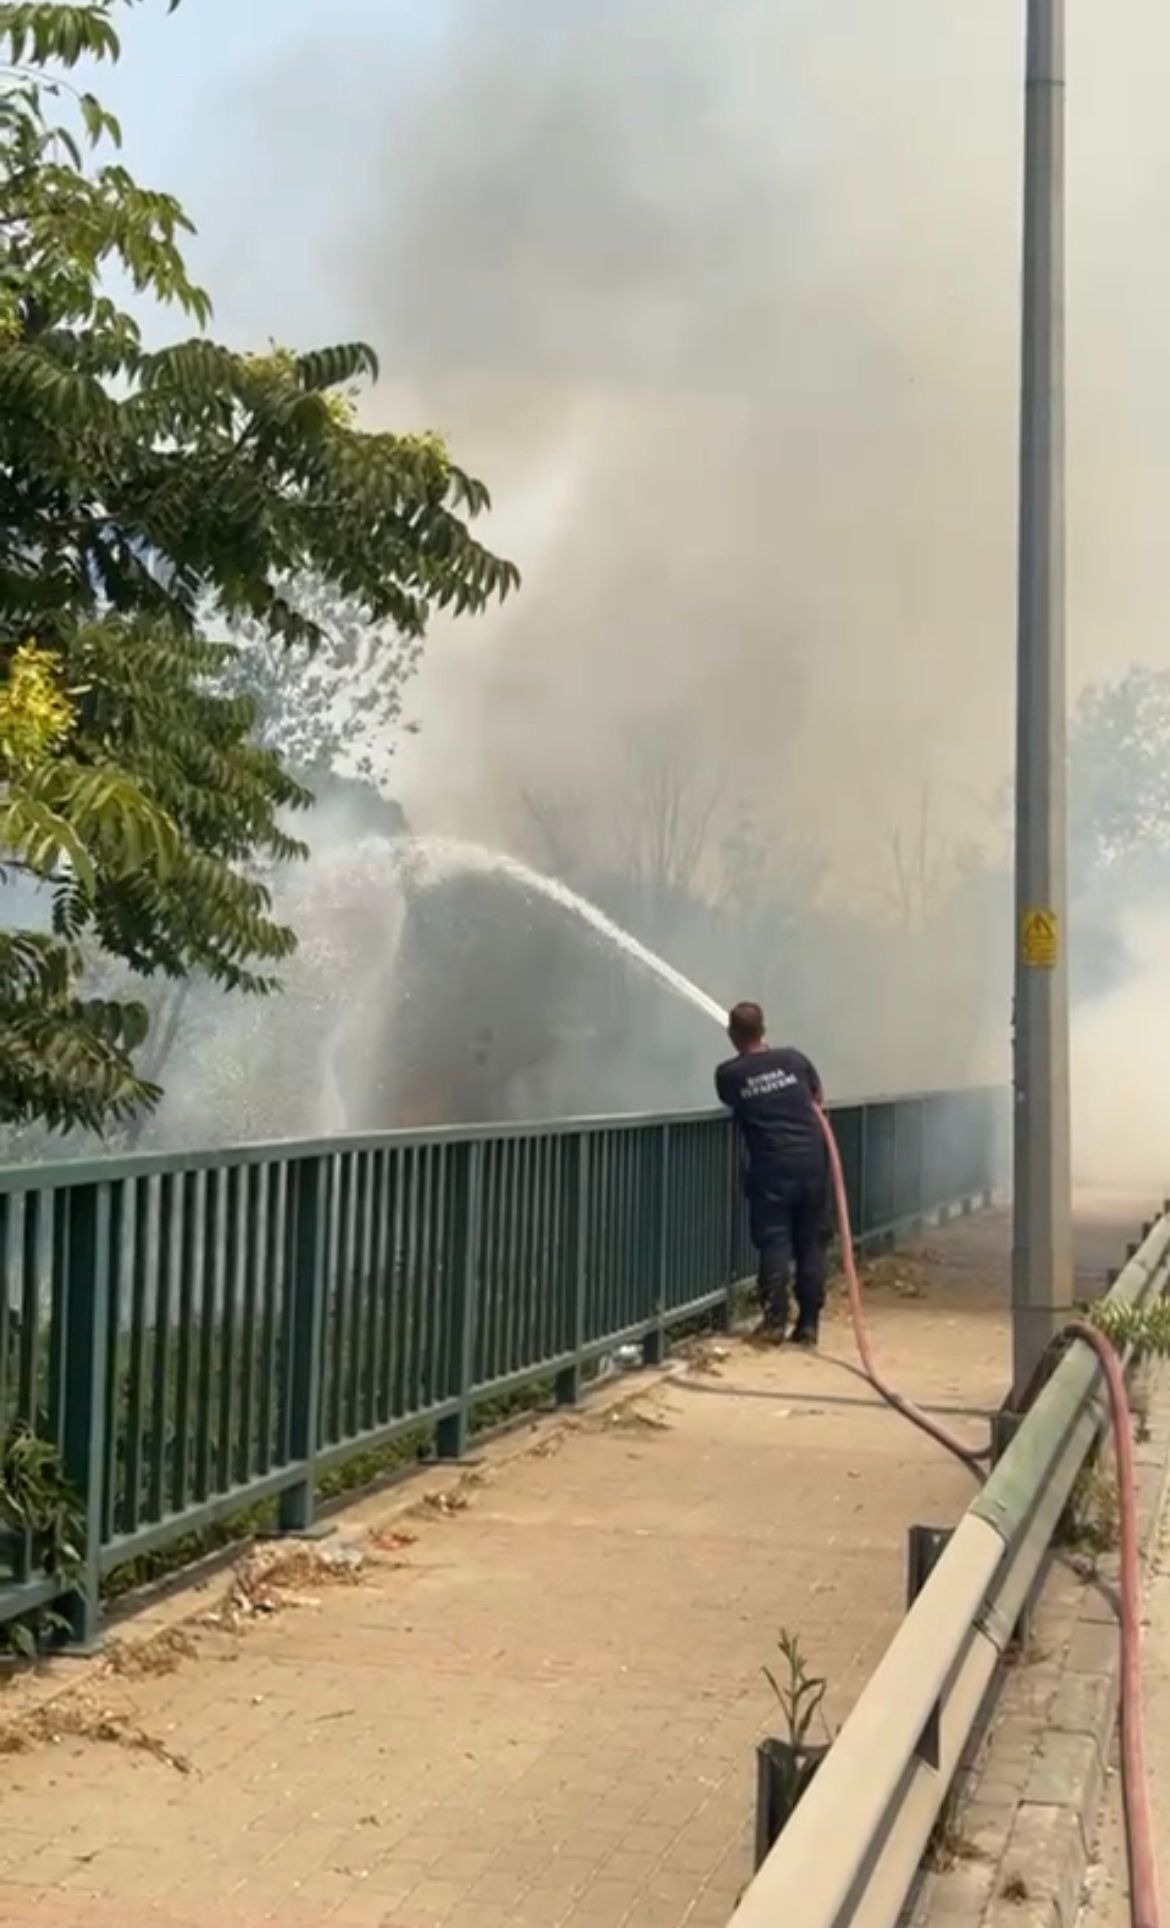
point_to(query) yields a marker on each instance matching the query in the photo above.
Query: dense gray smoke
(724, 303)
(740, 285)
(695, 257)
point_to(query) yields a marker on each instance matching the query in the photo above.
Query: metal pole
(1042, 1233)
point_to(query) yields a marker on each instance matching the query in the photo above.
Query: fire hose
(1144, 1902)
(969, 1455)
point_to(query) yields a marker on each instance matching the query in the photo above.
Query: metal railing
(852, 1850)
(200, 1334)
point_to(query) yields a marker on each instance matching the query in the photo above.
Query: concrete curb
(1022, 1830)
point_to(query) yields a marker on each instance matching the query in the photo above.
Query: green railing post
(864, 1195)
(885, 1125)
(917, 1209)
(990, 1150)
(452, 1433)
(575, 1271)
(723, 1316)
(308, 1181)
(91, 1228)
(654, 1343)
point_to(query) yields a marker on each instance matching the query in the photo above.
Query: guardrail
(852, 1849)
(201, 1334)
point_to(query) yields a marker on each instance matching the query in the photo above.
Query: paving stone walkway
(1107, 1898)
(538, 1703)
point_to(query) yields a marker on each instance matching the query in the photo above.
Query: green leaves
(65, 1061)
(334, 367)
(144, 498)
(1144, 1329)
(61, 224)
(39, 839)
(44, 31)
(100, 124)
(37, 1498)
(119, 825)
(53, 32)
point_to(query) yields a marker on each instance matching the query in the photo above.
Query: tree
(1119, 755)
(146, 496)
(644, 852)
(1119, 818)
(664, 834)
(329, 708)
(921, 866)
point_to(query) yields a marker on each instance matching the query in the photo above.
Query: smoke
(308, 1061)
(1121, 1097)
(686, 238)
(756, 268)
(724, 303)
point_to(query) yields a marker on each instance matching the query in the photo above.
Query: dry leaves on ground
(163, 1654)
(271, 1578)
(80, 1719)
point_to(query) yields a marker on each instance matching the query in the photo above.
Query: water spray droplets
(426, 861)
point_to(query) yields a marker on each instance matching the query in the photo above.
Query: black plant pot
(783, 1775)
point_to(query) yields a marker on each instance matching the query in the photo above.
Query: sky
(206, 96)
(724, 305)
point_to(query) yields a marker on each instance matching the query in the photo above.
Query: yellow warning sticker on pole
(1039, 941)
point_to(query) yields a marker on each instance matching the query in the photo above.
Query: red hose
(1144, 1904)
(967, 1454)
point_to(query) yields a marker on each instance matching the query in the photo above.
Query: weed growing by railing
(1090, 1523)
(44, 1523)
(1141, 1330)
(1140, 1334)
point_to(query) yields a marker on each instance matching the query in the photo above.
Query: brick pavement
(1106, 1903)
(543, 1709)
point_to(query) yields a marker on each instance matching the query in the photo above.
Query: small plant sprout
(799, 1694)
(787, 1762)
